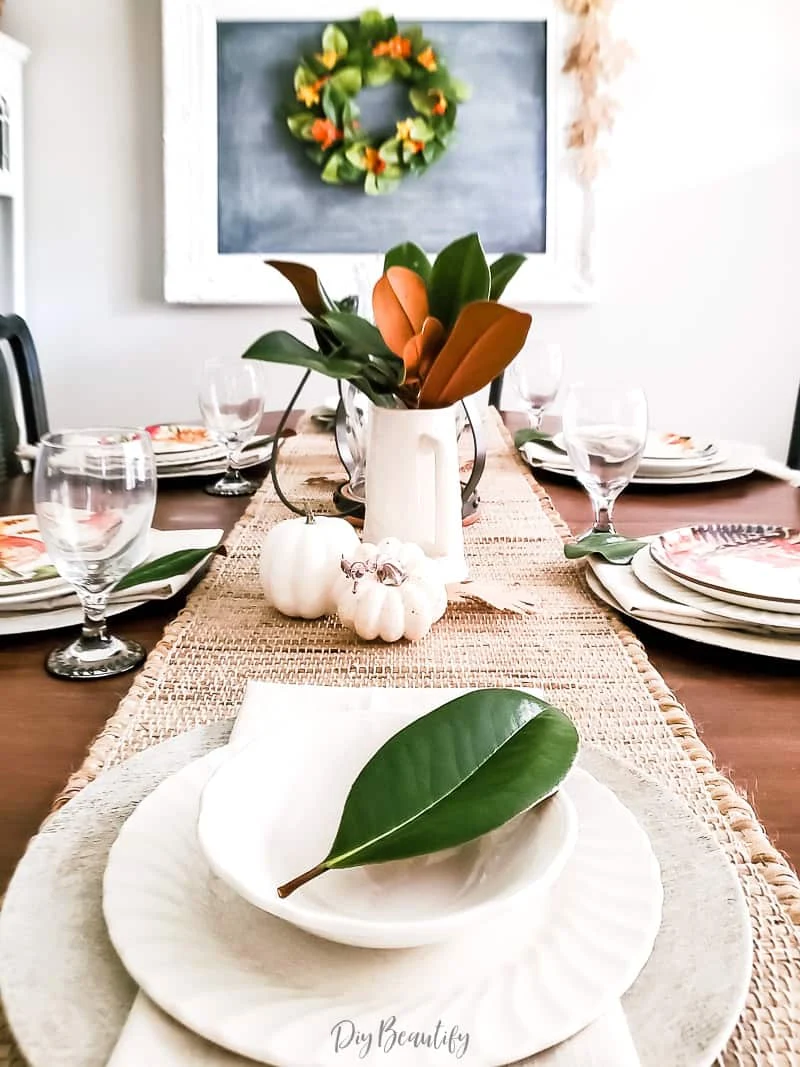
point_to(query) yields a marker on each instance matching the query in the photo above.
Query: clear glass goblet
(356, 415)
(536, 374)
(94, 493)
(605, 430)
(232, 403)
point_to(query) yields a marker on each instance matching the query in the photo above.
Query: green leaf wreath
(365, 52)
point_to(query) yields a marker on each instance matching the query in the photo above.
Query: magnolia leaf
(400, 306)
(316, 155)
(300, 124)
(420, 351)
(459, 276)
(330, 172)
(502, 271)
(421, 131)
(371, 185)
(484, 340)
(389, 151)
(379, 72)
(358, 335)
(432, 151)
(165, 567)
(610, 546)
(410, 256)
(348, 80)
(457, 773)
(334, 40)
(306, 284)
(389, 180)
(460, 90)
(373, 24)
(348, 172)
(421, 101)
(522, 437)
(303, 75)
(354, 154)
(281, 347)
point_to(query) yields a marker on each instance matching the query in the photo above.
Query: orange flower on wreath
(439, 101)
(396, 47)
(324, 132)
(405, 137)
(309, 94)
(427, 59)
(373, 161)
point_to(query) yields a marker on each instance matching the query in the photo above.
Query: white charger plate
(656, 579)
(262, 988)
(708, 476)
(36, 622)
(67, 995)
(735, 640)
(258, 457)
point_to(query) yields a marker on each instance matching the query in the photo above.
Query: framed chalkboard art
(305, 130)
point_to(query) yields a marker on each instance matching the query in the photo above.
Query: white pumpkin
(390, 591)
(301, 564)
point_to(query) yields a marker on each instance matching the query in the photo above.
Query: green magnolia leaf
(169, 566)
(358, 335)
(402, 69)
(421, 101)
(459, 276)
(354, 154)
(408, 255)
(303, 75)
(502, 271)
(348, 172)
(389, 151)
(333, 102)
(421, 131)
(330, 172)
(373, 24)
(379, 72)
(334, 40)
(389, 180)
(455, 774)
(300, 124)
(521, 437)
(281, 347)
(432, 151)
(316, 155)
(371, 185)
(348, 80)
(612, 547)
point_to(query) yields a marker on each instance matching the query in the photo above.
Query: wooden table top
(746, 708)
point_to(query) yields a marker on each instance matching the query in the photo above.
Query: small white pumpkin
(389, 591)
(301, 564)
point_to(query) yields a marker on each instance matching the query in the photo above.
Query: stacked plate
(733, 585)
(668, 459)
(34, 597)
(184, 450)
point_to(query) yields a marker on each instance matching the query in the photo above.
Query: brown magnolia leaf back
(305, 282)
(400, 306)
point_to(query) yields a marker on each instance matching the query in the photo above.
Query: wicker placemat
(586, 661)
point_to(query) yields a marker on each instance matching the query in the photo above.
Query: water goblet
(536, 374)
(94, 494)
(232, 403)
(605, 430)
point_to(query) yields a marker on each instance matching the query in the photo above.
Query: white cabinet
(12, 224)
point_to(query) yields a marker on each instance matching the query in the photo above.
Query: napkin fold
(161, 543)
(151, 1037)
(642, 603)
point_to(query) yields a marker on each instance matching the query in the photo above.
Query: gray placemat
(67, 995)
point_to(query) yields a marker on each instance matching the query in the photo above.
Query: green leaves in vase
(449, 777)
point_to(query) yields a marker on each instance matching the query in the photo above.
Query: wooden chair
(25, 364)
(793, 459)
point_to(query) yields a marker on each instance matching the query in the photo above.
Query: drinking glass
(536, 374)
(605, 429)
(232, 403)
(94, 493)
(356, 423)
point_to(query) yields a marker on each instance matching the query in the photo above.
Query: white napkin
(642, 603)
(151, 1037)
(161, 543)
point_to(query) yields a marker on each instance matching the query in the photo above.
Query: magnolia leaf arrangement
(439, 334)
(487, 756)
(611, 546)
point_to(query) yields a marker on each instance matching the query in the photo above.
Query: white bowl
(268, 814)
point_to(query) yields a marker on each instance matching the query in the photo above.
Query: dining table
(746, 708)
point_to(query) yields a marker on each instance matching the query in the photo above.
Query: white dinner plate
(753, 564)
(265, 989)
(656, 579)
(255, 457)
(736, 640)
(724, 470)
(176, 437)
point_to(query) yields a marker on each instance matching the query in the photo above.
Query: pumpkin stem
(310, 520)
(390, 573)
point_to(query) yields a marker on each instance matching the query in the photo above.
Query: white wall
(698, 241)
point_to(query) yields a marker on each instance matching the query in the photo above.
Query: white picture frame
(194, 270)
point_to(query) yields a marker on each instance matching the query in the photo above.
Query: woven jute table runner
(584, 659)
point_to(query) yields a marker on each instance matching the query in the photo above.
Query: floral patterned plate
(174, 437)
(23, 556)
(743, 563)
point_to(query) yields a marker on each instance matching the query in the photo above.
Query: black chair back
(25, 363)
(793, 459)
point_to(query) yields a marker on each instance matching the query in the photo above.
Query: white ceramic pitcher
(413, 490)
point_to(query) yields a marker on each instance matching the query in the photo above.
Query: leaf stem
(289, 887)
